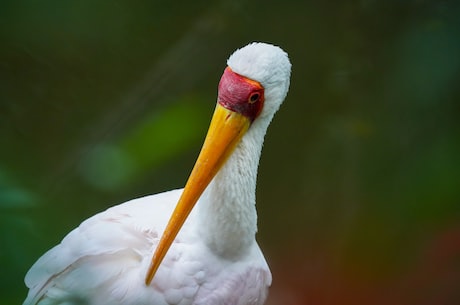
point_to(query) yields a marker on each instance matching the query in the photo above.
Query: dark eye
(254, 97)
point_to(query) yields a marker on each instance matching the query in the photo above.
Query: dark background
(358, 191)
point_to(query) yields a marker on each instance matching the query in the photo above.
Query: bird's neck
(227, 216)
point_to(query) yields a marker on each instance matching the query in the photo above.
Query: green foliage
(157, 139)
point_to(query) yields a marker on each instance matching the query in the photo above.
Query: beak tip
(152, 270)
(150, 273)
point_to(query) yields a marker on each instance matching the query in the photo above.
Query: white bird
(213, 255)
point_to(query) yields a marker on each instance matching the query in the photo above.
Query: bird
(195, 245)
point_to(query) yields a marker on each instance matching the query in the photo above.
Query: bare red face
(240, 94)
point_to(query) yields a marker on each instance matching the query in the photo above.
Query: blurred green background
(358, 191)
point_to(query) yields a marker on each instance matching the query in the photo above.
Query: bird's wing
(125, 230)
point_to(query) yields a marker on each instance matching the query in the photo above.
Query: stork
(202, 255)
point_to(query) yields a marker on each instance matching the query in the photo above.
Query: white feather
(103, 261)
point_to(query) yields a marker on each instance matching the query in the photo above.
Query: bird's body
(86, 267)
(214, 259)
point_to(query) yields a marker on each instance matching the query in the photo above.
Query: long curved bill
(226, 129)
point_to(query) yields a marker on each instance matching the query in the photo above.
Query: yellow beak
(226, 129)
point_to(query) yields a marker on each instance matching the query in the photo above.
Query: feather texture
(104, 260)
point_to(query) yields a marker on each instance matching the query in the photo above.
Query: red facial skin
(240, 94)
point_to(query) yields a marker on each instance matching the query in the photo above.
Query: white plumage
(103, 261)
(214, 259)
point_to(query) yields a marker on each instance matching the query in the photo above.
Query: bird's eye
(254, 97)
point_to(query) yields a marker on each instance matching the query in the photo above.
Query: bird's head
(251, 89)
(262, 69)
